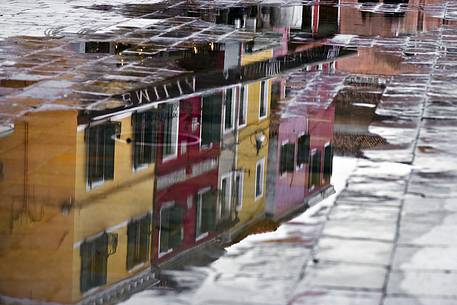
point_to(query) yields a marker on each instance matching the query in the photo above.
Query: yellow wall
(111, 205)
(249, 58)
(37, 238)
(44, 163)
(247, 156)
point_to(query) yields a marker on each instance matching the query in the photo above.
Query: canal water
(188, 153)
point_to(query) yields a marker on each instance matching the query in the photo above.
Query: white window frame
(240, 174)
(227, 177)
(227, 130)
(165, 205)
(260, 163)
(199, 212)
(323, 165)
(245, 99)
(175, 138)
(313, 152)
(265, 98)
(200, 146)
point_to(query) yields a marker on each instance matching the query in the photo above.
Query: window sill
(201, 236)
(136, 267)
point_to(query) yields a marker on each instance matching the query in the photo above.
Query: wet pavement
(228, 152)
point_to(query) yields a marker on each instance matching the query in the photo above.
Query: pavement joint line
(385, 241)
(426, 296)
(346, 288)
(351, 263)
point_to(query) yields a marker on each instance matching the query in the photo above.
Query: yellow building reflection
(75, 210)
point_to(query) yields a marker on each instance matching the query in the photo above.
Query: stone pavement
(391, 237)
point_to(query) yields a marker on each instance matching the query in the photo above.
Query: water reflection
(91, 203)
(96, 201)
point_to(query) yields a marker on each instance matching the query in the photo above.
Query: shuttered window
(144, 138)
(303, 150)
(328, 162)
(238, 191)
(243, 110)
(138, 241)
(206, 212)
(171, 228)
(211, 119)
(170, 113)
(287, 154)
(229, 109)
(315, 169)
(259, 178)
(263, 99)
(100, 152)
(226, 196)
(94, 258)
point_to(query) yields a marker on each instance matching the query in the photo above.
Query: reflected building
(354, 113)
(95, 203)
(76, 207)
(371, 20)
(301, 161)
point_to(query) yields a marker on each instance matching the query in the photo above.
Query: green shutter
(164, 230)
(211, 119)
(176, 222)
(131, 241)
(209, 211)
(283, 159)
(84, 278)
(145, 231)
(109, 146)
(303, 150)
(290, 157)
(328, 156)
(101, 260)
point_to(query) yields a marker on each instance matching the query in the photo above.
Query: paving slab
(354, 251)
(343, 275)
(349, 212)
(426, 258)
(361, 229)
(423, 283)
(336, 297)
(418, 301)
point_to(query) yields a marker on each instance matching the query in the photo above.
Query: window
(206, 213)
(303, 150)
(100, 152)
(277, 89)
(138, 241)
(315, 169)
(238, 190)
(286, 163)
(211, 120)
(170, 130)
(144, 139)
(226, 195)
(243, 110)
(171, 228)
(94, 259)
(328, 162)
(229, 113)
(259, 178)
(263, 99)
